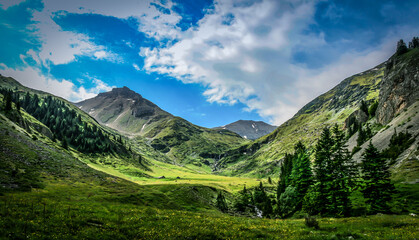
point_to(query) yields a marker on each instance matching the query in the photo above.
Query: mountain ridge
(249, 129)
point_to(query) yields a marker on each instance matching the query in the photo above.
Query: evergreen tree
(288, 201)
(301, 175)
(414, 43)
(221, 202)
(361, 136)
(322, 169)
(18, 105)
(334, 175)
(8, 99)
(64, 143)
(364, 107)
(401, 47)
(376, 176)
(262, 201)
(342, 176)
(286, 168)
(243, 200)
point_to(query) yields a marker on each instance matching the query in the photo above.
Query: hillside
(393, 85)
(249, 129)
(263, 156)
(52, 120)
(183, 142)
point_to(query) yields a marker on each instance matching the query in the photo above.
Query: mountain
(132, 115)
(124, 110)
(249, 129)
(393, 85)
(263, 156)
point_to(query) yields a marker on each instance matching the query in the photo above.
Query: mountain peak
(124, 92)
(249, 129)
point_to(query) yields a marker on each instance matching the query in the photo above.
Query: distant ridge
(249, 129)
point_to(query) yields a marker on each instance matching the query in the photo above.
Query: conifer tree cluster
(377, 188)
(402, 48)
(258, 202)
(295, 179)
(326, 188)
(66, 125)
(221, 202)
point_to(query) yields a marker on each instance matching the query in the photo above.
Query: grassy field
(174, 175)
(62, 212)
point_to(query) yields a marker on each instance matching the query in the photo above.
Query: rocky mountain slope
(263, 156)
(393, 84)
(398, 112)
(124, 110)
(249, 129)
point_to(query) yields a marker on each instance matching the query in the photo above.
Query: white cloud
(60, 46)
(250, 60)
(247, 61)
(136, 67)
(100, 54)
(32, 78)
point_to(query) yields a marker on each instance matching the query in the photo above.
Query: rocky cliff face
(400, 86)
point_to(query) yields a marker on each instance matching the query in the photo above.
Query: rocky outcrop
(359, 116)
(400, 85)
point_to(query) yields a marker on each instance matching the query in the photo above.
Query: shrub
(311, 222)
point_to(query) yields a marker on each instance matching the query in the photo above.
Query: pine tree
(286, 168)
(334, 175)
(414, 43)
(301, 176)
(364, 107)
(221, 202)
(361, 136)
(401, 47)
(243, 200)
(376, 176)
(322, 169)
(18, 105)
(342, 175)
(8, 99)
(64, 143)
(262, 201)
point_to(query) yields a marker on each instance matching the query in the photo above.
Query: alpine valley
(117, 166)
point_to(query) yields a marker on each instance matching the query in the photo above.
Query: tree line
(402, 48)
(65, 123)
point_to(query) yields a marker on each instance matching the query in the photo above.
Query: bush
(311, 222)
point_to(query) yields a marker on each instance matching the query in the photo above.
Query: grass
(44, 215)
(174, 175)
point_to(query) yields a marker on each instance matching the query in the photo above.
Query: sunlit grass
(92, 215)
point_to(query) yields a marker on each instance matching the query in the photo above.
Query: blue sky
(210, 62)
